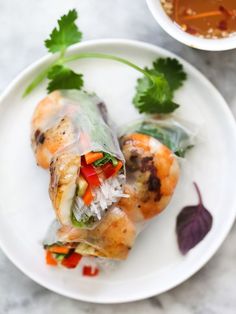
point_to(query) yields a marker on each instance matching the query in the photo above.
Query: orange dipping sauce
(203, 18)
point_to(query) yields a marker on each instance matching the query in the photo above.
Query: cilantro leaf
(153, 95)
(65, 35)
(155, 90)
(172, 70)
(62, 77)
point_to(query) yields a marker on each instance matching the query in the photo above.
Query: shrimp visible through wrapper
(152, 173)
(67, 125)
(112, 238)
(47, 137)
(64, 171)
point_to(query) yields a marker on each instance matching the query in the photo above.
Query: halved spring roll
(112, 238)
(71, 135)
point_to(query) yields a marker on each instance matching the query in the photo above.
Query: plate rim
(231, 122)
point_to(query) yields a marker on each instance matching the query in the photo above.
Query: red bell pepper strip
(90, 175)
(50, 260)
(109, 170)
(72, 260)
(87, 271)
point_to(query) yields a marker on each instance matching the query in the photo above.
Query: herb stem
(87, 55)
(39, 79)
(62, 54)
(198, 193)
(96, 55)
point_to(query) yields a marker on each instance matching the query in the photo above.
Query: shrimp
(64, 170)
(152, 175)
(112, 238)
(51, 132)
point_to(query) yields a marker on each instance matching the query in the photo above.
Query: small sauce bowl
(193, 41)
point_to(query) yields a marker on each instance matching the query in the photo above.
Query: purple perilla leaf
(192, 225)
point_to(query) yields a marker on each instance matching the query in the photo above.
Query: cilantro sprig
(154, 90)
(154, 93)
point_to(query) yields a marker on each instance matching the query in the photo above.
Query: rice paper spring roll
(112, 238)
(71, 135)
(151, 149)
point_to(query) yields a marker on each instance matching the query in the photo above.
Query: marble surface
(24, 25)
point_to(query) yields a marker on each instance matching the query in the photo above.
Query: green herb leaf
(87, 221)
(154, 91)
(62, 77)
(174, 137)
(159, 134)
(106, 158)
(65, 35)
(154, 95)
(172, 70)
(60, 257)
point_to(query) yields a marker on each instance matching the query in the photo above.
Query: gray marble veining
(23, 27)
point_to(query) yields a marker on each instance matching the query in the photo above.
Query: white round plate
(155, 263)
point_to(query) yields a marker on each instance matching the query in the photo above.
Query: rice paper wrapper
(92, 128)
(178, 135)
(152, 170)
(51, 235)
(113, 238)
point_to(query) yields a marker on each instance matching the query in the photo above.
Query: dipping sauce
(203, 18)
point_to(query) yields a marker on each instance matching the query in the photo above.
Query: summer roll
(112, 238)
(71, 135)
(151, 149)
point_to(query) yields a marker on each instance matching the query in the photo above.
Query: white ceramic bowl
(190, 40)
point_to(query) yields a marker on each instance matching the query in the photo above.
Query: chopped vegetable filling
(90, 272)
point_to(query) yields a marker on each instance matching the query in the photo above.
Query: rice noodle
(110, 191)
